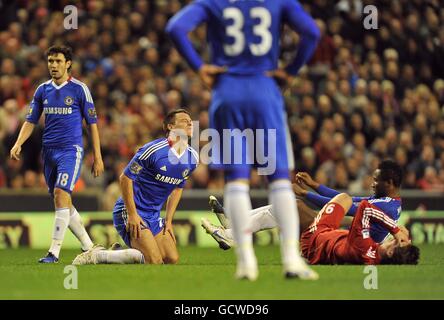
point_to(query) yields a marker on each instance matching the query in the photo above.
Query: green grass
(207, 273)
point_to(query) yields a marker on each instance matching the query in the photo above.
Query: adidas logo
(164, 168)
(45, 102)
(371, 253)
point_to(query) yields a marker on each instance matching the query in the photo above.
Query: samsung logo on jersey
(169, 180)
(55, 110)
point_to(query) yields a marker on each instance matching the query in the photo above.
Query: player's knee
(62, 199)
(172, 259)
(344, 200)
(149, 259)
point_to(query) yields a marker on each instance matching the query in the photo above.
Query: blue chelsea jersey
(156, 170)
(64, 106)
(390, 206)
(244, 35)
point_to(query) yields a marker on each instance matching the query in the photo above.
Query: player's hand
(209, 72)
(97, 168)
(281, 76)
(168, 228)
(404, 229)
(15, 152)
(298, 190)
(307, 179)
(134, 226)
(402, 238)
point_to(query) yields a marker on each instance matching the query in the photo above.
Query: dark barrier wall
(191, 200)
(23, 202)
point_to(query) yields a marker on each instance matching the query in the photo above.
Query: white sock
(262, 219)
(283, 201)
(238, 206)
(126, 256)
(76, 226)
(61, 222)
(228, 233)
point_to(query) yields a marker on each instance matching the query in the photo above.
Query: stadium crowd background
(365, 95)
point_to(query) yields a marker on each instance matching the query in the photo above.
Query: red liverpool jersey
(323, 243)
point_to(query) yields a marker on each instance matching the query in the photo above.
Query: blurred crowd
(365, 95)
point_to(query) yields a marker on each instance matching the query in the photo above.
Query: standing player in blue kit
(244, 40)
(65, 101)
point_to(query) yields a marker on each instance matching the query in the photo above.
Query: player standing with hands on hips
(65, 101)
(244, 40)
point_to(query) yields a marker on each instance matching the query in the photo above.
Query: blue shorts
(62, 167)
(120, 218)
(254, 104)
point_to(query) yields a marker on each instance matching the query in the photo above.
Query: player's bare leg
(147, 244)
(167, 247)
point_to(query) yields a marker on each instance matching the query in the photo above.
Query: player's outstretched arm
(316, 199)
(134, 220)
(25, 133)
(98, 167)
(320, 188)
(171, 206)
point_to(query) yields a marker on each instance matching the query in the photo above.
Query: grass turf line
(208, 273)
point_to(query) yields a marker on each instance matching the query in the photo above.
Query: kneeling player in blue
(155, 175)
(65, 101)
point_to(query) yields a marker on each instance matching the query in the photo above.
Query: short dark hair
(390, 170)
(65, 50)
(403, 255)
(171, 118)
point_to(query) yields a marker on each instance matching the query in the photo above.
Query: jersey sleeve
(87, 105)
(141, 161)
(180, 25)
(317, 199)
(308, 31)
(320, 201)
(359, 199)
(326, 191)
(359, 236)
(372, 213)
(36, 106)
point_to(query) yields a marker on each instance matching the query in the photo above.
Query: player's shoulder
(388, 200)
(81, 88)
(77, 82)
(152, 147)
(43, 85)
(391, 206)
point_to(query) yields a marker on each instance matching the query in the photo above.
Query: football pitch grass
(208, 274)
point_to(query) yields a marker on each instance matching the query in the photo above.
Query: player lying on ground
(324, 243)
(156, 174)
(65, 101)
(262, 218)
(386, 183)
